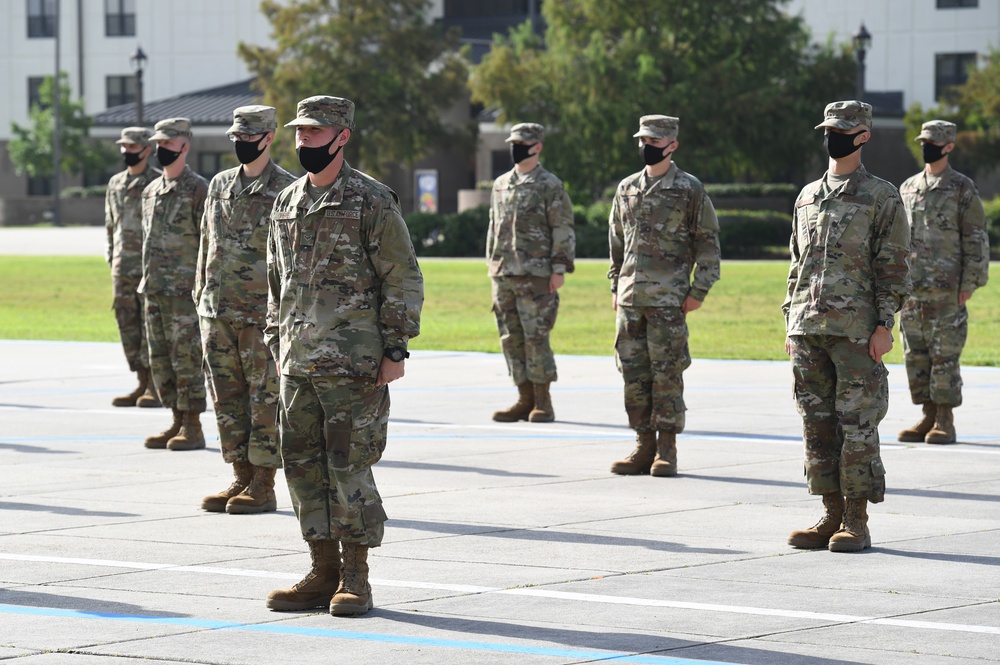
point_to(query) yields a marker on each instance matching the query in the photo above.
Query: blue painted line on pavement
(385, 638)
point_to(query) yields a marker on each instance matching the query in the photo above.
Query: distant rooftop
(213, 106)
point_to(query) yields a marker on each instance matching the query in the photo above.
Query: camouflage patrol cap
(138, 135)
(324, 111)
(658, 126)
(938, 131)
(529, 132)
(846, 115)
(171, 128)
(253, 120)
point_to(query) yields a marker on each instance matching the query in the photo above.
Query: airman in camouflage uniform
(345, 293)
(172, 206)
(663, 228)
(848, 278)
(529, 249)
(123, 221)
(949, 260)
(231, 296)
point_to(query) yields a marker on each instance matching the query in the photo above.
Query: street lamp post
(862, 40)
(138, 62)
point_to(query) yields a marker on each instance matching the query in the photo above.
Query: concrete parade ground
(507, 543)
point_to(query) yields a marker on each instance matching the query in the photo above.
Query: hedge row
(743, 233)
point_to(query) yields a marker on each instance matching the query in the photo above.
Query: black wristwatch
(396, 354)
(886, 323)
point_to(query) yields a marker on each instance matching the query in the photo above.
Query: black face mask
(165, 156)
(133, 158)
(651, 155)
(248, 151)
(839, 146)
(932, 152)
(519, 152)
(315, 160)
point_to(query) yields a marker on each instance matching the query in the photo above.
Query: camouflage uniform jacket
(531, 226)
(661, 230)
(231, 282)
(123, 221)
(343, 281)
(949, 247)
(848, 250)
(171, 226)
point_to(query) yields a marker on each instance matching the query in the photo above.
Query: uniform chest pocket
(848, 228)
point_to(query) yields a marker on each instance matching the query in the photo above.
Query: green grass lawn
(69, 298)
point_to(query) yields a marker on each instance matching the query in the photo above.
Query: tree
(742, 76)
(975, 107)
(400, 72)
(30, 147)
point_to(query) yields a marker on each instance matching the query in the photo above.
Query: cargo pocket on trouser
(877, 492)
(355, 439)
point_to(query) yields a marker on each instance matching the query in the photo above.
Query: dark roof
(213, 106)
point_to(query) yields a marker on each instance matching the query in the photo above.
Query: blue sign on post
(426, 187)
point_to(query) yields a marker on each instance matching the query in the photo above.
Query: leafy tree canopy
(743, 77)
(975, 107)
(31, 147)
(400, 72)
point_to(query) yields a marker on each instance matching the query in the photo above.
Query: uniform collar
(332, 197)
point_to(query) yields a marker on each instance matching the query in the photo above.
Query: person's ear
(947, 148)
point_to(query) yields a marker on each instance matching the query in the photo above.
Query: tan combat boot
(944, 426)
(641, 459)
(542, 413)
(160, 440)
(130, 399)
(853, 535)
(216, 503)
(818, 535)
(917, 433)
(258, 497)
(525, 403)
(354, 595)
(665, 464)
(148, 399)
(316, 589)
(190, 437)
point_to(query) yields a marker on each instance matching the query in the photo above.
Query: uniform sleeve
(490, 240)
(559, 211)
(199, 274)
(273, 294)
(109, 225)
(616, 240)
(891, 251)
(402, 285)
(707, 255)
(793, 268)
(975, 241)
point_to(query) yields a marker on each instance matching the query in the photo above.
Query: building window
(40, 186)
(121, 90)
(500, 163)
(957, 4)
(210, 163)
(34, 92)
(470, 8)
(119, 18)
(951, 69)
(41, 18)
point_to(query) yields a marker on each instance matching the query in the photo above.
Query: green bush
(751, 190)
(459, 234)
(993, 222)
(754, 234)
(97, 191)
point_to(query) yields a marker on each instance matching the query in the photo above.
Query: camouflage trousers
(526, 313)
(332, 430)
(934, 331)
(129, 313)
(244, 387)
(842, 396)
(175, 359)
(651, 352)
